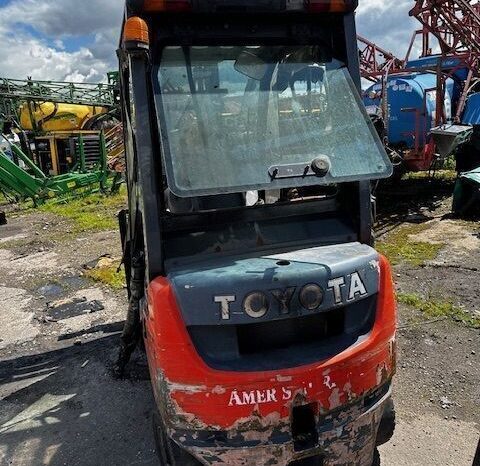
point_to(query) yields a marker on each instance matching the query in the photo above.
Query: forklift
(268, 318)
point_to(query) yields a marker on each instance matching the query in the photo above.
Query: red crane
(456, 26)
(375, 61)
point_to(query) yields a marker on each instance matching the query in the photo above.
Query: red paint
(422, 159)
(205, 392)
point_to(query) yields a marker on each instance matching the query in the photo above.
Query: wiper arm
(193, 91)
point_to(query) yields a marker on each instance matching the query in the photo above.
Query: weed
(436, 308)
(440, 175)
(108, 276)
(398, 246)
(95, 212)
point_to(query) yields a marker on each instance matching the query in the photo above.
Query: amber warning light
(311, 6)
(136, 30)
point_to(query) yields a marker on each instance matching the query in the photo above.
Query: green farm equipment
(20, 178)
(68, 137)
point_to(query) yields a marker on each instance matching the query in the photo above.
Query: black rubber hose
(132, 330)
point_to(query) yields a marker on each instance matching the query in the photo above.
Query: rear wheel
(387, 424)
(169, 453)
(376, 458)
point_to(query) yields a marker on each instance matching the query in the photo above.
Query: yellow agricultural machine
(51, 116)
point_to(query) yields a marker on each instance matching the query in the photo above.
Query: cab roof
(241, 6)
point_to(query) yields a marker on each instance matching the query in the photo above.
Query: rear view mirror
(251, 65)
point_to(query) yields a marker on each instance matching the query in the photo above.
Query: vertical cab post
(148, 176)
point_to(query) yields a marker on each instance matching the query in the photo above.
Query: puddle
(74, 307)
(61, 286)
(74, 282)
(50, 290)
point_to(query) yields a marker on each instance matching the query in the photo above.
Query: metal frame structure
(456, 26)
(27, 183)
(375, 61)
(14, 92)
(376, 64)
(32, 183)
(60, 92)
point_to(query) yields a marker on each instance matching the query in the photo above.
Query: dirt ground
(60, 405)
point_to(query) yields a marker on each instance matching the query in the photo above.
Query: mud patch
(78, 312)
(67, 308)
(11, 232)
(8, 239)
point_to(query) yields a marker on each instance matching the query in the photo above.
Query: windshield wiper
(193, 91)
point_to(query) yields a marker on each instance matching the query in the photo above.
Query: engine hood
(239, 290)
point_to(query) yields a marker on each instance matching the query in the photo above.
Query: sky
(75, 40)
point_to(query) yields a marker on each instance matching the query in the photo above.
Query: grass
(440, 175)
(94, 212)
(398, 246)
(436, 308)
(108, 276)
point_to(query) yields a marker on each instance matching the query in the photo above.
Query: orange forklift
(267, 315)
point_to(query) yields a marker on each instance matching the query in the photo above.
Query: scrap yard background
(62, 287)
(63, 305)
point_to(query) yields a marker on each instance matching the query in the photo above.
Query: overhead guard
(231, 6)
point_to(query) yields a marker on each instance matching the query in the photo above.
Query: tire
(168, 452)
(387, 424)
(476, 460)
(376, 458)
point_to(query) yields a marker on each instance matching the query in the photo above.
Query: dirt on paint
(59, 403)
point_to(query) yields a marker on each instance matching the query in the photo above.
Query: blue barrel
(471, 114)
(412, 107)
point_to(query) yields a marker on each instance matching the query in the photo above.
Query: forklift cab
(268, 317)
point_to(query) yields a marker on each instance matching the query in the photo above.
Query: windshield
(236, 119)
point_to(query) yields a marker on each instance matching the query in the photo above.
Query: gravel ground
(60, 405)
